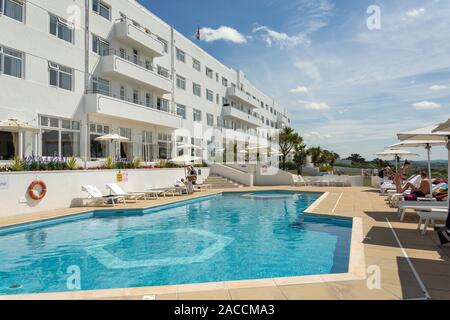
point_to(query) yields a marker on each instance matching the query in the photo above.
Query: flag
(198, 33)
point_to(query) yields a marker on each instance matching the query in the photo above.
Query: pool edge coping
(357, 271)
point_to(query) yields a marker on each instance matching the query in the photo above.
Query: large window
(101, 86)
(224, 82)
(181, 82)
(162, 104)
(100, 46)
(210, 120)
(61, 29)
(60, 77)
(101, 9)
(197, 115)
(181, 111)
(13, 9)
(11, 62)
(163, 72)
(99, 149)
(196, 64)
(209, 72)
(210, 95)
(181, 55)
(197, 90)
(147, 146)
(164, 146)
(165, 44)
(60, 137)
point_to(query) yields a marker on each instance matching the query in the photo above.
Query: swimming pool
(224, 237)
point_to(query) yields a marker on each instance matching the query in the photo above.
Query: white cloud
(416, 12)
(309, 69)
(223, 33)
(316, 135)
(438, 88)
(317, 106)
(299, 90)
(426, 105)
(281, 39)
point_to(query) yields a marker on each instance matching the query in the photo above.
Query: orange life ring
(32, 190)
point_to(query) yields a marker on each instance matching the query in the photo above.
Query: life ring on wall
(33, 193)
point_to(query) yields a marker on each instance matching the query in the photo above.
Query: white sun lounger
(96, 196)
(116, 190)
(419, 205)
(428, 218)
(299, 180)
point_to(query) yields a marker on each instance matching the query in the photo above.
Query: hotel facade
(76, 70)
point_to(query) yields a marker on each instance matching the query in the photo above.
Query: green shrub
(17, 165)
(137, 163)
(109, 163)
(71, 163)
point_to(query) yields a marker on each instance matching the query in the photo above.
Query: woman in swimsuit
(400, 175)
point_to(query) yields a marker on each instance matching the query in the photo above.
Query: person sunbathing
(400, 175)
(423, 189)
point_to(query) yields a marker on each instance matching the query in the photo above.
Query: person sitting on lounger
(424, 188)
(400, 175)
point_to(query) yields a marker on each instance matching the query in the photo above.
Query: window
(12, 9)
(210, 120)
(196, 64)
(61, 29)
(209, 73)
(122, 53)
(123, 92)
(60, 137)
(60, 77)
(164, 145)
(181, 111)
(181, 82)
(11, 62)
(99, 149)
(197, 115)
(149, 100)
(217, 98)
(209, 95)
(197, 90)
(136, 99)
(217, 77)
(100, 46)
(224, 82)
(165, 44)
(162, 104)
(147, 146)
(101, 9)
(181, 55)
(163, 72)
(100, 85)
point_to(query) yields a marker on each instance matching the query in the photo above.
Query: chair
(430, 217)
(97, 196)
(116, 190)
(299, 181)
(419, 205)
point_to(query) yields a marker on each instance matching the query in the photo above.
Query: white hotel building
(79, 69)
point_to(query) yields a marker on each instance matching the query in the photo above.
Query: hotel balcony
(235, 93)
(138, 37)
(231, 112)
(109, 105)
(134, 70)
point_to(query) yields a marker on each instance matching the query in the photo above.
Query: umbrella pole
(428, 147)
(448, 164)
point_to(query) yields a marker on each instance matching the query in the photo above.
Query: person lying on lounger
(424, 188)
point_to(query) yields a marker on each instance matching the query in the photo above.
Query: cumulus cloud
(299, 90)
(426, 105)
(317, 106)
(415, 12)
(438, 88)
(281, 39)
(223, 33)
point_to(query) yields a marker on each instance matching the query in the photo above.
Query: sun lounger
(430, 217)
(116, 190)
(96, 196)
(404, 206)
(161, 191)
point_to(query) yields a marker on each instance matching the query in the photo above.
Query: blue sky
(350, 89)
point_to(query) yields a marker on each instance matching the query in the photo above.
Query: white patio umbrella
(396, 153)
(112, 137)
(428, 144)
(189, 146)
(14, 125)
(185, 159)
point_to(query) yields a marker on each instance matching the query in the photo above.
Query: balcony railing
(138, 102)
(137, 60)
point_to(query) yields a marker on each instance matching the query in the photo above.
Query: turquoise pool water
(224, 237)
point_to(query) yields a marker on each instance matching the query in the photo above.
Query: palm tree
(300, 156)
(288, 139)
(316, 156)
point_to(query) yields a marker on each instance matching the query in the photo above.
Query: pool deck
(415, 270)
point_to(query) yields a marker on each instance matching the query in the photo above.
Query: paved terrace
(381, 248)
